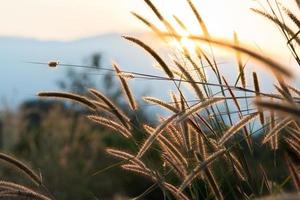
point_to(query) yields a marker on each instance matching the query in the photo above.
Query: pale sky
(71, 19)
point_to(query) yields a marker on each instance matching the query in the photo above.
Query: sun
(188, 44)
(183, 44)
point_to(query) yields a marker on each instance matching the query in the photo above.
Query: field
(218, 134)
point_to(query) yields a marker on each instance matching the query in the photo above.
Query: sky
(73, 19)
(69, 19)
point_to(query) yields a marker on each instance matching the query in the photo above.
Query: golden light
(188, 44)
(184, 43)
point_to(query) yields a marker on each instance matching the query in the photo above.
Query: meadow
(219, 137)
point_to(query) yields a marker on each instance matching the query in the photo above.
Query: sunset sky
(69, 19)
(72, 19)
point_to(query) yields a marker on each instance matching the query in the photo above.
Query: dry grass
(197, 139)
(13, 190)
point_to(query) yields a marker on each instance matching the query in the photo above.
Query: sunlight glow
(188, 44)
(184, 42)
(78, 19)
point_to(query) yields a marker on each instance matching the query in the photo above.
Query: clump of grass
(199, 144)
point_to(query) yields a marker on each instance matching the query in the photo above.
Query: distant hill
(20, 80)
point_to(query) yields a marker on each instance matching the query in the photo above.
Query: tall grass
(13, 190)
(201, 144)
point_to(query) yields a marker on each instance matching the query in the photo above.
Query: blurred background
(55, 137)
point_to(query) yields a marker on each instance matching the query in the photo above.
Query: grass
(202, 144)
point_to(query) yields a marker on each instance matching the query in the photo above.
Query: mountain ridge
(21, 80)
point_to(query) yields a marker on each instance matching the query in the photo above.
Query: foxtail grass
(257, 92)
(22, 167)
(274, 131)
(111, 124)
(197, 135)
(114, 109)
(274, 66)
(285, 108)
(234, 129)
(16, 190)
(127, 91)
(70, 96)
(147, 144)
(293, 172)
(153, 54)
(198, 108)
(195, 172)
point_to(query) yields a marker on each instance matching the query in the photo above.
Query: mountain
(21, 80)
